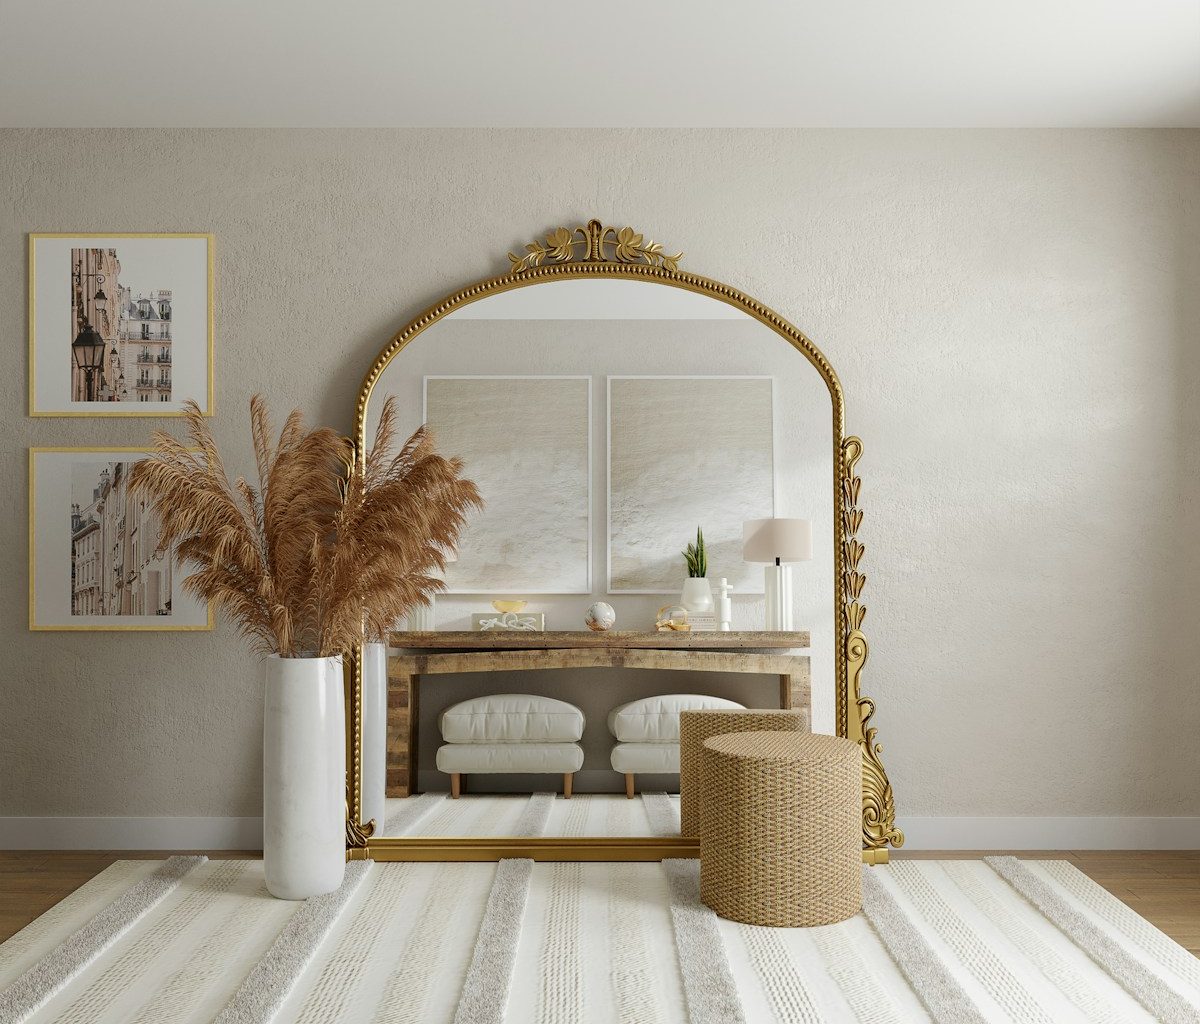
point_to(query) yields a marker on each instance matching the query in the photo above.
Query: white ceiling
(84, 63)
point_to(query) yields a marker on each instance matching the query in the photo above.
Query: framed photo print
(120, 325)
(93, 548)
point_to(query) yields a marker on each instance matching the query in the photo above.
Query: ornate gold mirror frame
(596, 251)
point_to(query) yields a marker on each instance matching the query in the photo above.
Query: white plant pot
(374, 752)
(304, 777)
(697, 595)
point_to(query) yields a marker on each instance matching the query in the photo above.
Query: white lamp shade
(771, 540)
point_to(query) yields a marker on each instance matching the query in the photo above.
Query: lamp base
(777, 582)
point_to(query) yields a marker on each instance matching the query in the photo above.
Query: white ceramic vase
(697, 595)
(374, 734)
(304, 777)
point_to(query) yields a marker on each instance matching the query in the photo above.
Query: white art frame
(751, 581)
(53, 543)
(174, 268)
(526, 587)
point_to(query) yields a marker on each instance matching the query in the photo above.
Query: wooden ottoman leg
(455, 785)
(568, 778)
(629, 785)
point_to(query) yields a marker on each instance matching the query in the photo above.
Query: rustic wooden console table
(440, 653)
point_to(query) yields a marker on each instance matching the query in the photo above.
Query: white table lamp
(777, 542)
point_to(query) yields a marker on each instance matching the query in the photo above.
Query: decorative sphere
(600, 617)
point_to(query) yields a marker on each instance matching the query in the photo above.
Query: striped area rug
(956, 942)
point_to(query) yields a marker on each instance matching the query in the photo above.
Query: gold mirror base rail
(583, 848)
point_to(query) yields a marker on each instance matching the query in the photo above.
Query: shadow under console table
(414, 655)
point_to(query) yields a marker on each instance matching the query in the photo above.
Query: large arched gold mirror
(608, 404)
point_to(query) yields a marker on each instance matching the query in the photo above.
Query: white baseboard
(131, 834)
(1051, 833)
(920, 833)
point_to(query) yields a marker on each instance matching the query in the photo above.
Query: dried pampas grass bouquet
(324, 548)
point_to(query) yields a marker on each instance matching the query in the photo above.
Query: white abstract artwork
(526, 442)
(685, 452)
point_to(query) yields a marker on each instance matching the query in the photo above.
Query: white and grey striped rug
(524, 943)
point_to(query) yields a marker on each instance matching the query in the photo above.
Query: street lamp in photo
(88, 351)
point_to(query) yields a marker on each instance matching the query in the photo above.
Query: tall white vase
(304, 777)
(374, 750)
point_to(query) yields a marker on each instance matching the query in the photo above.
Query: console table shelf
(509, 640)
(418, 654)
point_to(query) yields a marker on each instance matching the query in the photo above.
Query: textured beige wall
(1013, 315)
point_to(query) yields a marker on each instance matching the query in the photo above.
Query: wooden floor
(1164, 887)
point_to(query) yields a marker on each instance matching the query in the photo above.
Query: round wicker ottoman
(781, 839)
(697, 726)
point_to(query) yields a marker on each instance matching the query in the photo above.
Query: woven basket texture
(697, 726)
(780, 838)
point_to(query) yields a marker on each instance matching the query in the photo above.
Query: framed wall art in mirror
(614, 313)
(673, 444)
(528, 442)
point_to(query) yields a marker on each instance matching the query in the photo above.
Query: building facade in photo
(146, 344)
(135, 328)
(96, 301)
(115, 569)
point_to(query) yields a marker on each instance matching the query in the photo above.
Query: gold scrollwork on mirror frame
(627, 245)
(593, 250)
(878, 803)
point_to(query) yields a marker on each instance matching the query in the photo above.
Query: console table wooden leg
(795, 691)
(402, 735)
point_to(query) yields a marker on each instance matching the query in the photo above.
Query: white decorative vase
(374, 734)
(697, 595)
(304, 777)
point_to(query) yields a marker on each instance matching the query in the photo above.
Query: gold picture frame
(131, 408)
(91, 626)
(591, 251)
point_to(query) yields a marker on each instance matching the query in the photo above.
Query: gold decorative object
(504, 607)
(672, 617)
(878, 804)
(628, 246)
(594, 251)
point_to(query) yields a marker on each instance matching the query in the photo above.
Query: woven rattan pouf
(780, 841)
(697, 726)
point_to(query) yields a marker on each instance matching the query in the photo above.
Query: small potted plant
(323, 551)
(697, 593)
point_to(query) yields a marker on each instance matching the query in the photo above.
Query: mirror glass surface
(604, 421)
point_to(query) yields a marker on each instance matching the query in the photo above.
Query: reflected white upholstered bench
(510, 733)
(647, 733)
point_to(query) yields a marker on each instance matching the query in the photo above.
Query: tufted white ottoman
(513, 733)
(647, 733)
